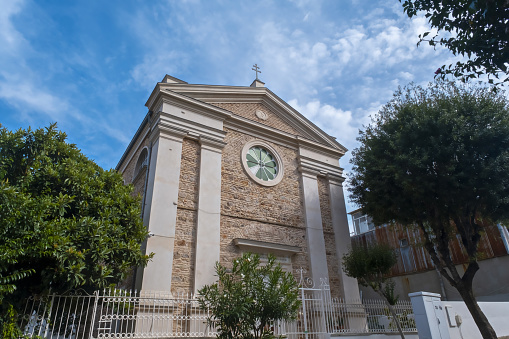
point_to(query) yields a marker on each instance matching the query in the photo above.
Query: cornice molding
(177, 128)
(211, 144)
(319, 148)
(189, 103)
(313, 167)
(335, 179)
(277, 136)
(166, 131)
(198, 98)
(261, 131)
(241, 94)
(262, 246)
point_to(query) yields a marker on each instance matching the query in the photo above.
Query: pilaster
(349, 286)
(209, 209)
(314, 227)
(160, 213)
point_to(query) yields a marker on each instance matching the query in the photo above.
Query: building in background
(415, 271)
(362, 223)
(227, 169)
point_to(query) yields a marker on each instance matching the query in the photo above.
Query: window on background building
(406, 255)
(504, 233)
(362, 223)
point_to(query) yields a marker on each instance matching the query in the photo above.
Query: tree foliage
(438, 158)
(477, 29)
(246, 300)
(371, 266)
(64, 221)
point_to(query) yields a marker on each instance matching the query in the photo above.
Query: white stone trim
(342, 242)
(241, 94)
(314, 228)
(160, 95)
(211, 144)
(207, 94)
(266, 247)
(311, 167)
(160, 213)
(208, 225)
(279, 161)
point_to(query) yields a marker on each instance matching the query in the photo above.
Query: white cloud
(153, 68)
(28, 88)
(10, 39)
(19, 84)
(335, 121)
(25, 96)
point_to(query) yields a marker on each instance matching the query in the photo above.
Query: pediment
(224, 97)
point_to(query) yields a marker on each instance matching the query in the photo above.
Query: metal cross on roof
(256, 69)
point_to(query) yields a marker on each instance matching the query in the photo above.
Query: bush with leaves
(247, 299)
(64, 221)
(371, 266)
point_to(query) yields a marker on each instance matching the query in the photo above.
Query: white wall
(496, 312)
(490, 282)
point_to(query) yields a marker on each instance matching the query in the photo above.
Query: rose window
(262, 163)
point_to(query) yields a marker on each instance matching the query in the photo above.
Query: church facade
(224, 170)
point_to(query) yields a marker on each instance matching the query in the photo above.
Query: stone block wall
(251, 211)
(185, 230)
(232, 228)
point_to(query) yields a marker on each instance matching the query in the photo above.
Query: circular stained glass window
(261, 163)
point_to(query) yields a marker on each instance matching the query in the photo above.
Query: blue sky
(90, 65)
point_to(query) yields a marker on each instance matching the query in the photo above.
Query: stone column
(350, 287)
(209, 212)
(160, 214)
(314, 227)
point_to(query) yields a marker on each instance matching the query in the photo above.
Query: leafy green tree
(64, 221)
(371, 266)
(438, 158)
(247, 299)
(477, 29)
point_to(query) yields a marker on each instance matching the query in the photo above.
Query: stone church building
(224, 170)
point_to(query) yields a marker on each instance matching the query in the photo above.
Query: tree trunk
(394, 315)
(396, 319)
(480, 319)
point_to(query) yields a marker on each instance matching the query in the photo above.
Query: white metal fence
(115, 314)
(320, 314)
(126, 314)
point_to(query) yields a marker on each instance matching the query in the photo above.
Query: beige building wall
(185, 232)
(251, 211)
(276, 215)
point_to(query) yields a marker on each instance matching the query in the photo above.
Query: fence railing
(115, 314)
(126, 314)
(369, 316)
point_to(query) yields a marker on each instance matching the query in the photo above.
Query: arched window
(141, 163)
